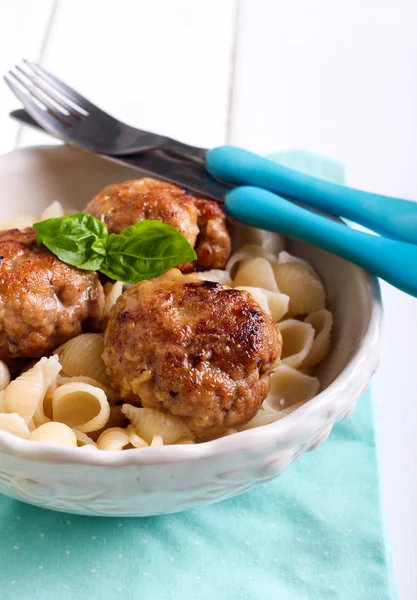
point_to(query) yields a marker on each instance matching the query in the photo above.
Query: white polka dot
(345, 501)
(221, 526)
(372, 512)
(194, 512)
(93, 570)
(326, 553)
(67, 552)
(198, 578)
(93, 537)
(358, 430)
(172, 593)
(119, 555)
(66, 587)
(377, 547)
(41, 535)
(247, 543)
(145, 541)
(368, 485)
(223, 562)
(275, 560)
(120, 589)
(196, 543)
(13, 581)
(321, 518)
(331, 586)
(298, 539)
(119, 524)
(18, 518)
(250, 578)
(172, 559)
(302, 574)
(294, 504)
(354, 568)
(145, 573)
(384, 581)
(68, 523)
(267, 491)
(15, 547)
(348, 531)
(243, 512)
(169, 526)
(272, 525)
(40, 568)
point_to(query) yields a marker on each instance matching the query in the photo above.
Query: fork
(71, 117)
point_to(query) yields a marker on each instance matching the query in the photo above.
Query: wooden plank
(23, 26)
(163, 66)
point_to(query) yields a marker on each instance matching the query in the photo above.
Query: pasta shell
(18, 222)
(306, 292)
(80, 406)
(112, 292)
(134, 438)
(256, 272)
(82, 356)
(289, 387)
(157, 441)
(149, 422)
(54, 433)
(113, 439)
(216, 275)
(112, 394)
(244, 234)
(4, 375)
(83, 439)
(285, 258)
(258, 295)
(14, 424)
(322, 322)
(53, 211)
(116, 419)
(26, 393)
(247, 252)
(2, 402)
(297, 341)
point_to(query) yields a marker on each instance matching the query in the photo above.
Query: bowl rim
(240, 442)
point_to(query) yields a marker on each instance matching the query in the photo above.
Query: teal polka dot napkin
(315, 533)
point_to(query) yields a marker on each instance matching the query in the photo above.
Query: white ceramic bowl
(167, 479)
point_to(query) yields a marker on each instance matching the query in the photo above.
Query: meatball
(192, 348)
(43, 301)
(201, 221)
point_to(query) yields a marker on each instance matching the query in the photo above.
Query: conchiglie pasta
(15, 424)
(112, 292)
(297, 341)
(216, 275)
(149, 423)
(322, 322)
(268, 240)
(2, 402)
(83, 439)
(258, 294)
(112, 395)
(18, 222)
(25, 395)
(54, 433)
(289, 387)
(306, 292)
(134, 438)
(80, 406)
(53, 211)
(256, 272)
(4, 375)
(157, 440)
(246, 253)
(113, 439)
(82, 356)
(285, 258)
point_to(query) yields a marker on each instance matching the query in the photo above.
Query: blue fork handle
(388, 216)
(394, 261)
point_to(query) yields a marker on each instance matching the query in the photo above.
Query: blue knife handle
(394, 261)
(392, 217)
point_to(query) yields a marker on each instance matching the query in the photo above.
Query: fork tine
(55, 126)
(49, 92)
(61, 87)
(52, 108)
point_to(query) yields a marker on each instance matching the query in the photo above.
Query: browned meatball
(193, 348)
(43, 301)
(201, 221)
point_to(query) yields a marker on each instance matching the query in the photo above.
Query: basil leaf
(145, 250)
(78, 240)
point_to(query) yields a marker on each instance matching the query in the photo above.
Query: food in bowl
(184, 358)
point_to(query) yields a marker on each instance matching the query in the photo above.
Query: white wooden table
(337, 77)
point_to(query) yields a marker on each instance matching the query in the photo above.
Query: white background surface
(337, 77)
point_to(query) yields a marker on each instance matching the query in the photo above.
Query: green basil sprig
(140, 252)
